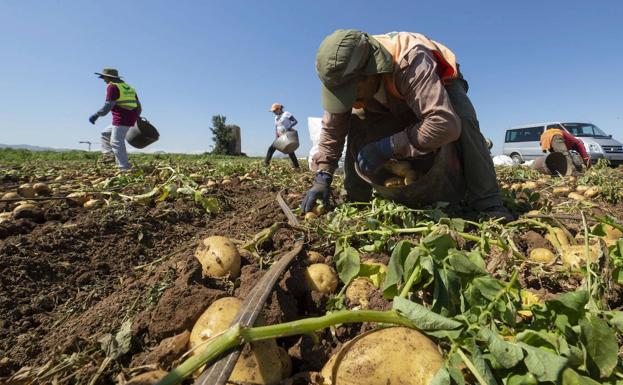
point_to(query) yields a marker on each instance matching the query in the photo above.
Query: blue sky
(526, 61)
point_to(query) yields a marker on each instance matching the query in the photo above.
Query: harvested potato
(592, 192)
(563, 190)
(358, 292)
(394, 182)
(612, 233)
(149, 378)
(78, 197)
(541, 255)
(398, 167)
(219, 257)
(576, 196)
(543, 180)
(516, 186)
(581, 189)
(533, 212)
(396, 355)
(310, 215)
(411, 177)
(531, 185)
(258, 364)
(41, 188)
(197, 178)
(93, 203)
(561, 236)
(574, 257)
(314, 257)
(211, 183)
(226, 181)
(11, 195)
(321, 277)
(28, 210)
(26, 190)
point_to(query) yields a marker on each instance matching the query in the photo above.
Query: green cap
(342, 58)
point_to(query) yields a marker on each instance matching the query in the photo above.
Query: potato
(541, 255)
(394, 182)
(534, 212)
(581, 189)
(358, 292)
(148, 378)
(529, 185)
(197, 178)
(321, 277)
(26, 190)
(41, 188)
(5, 217)
(398, 167)
(28, 210)
(612, 233)
(592, 192)
(310, 215)
(396, 355)
(543, 180)
(93, 203)
(528, 299)
(561, 236)
(314, 257)
(211, 183)
(411, 177)
(561, 190)
(516, 186)
(219, 257)
(11, 195)
(226, 181)
(259, 364)
(78, 197)
(576, 196)
(574, 257)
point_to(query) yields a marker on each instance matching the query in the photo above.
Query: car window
(529, 134)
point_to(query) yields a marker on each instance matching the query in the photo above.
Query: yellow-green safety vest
(127, 96)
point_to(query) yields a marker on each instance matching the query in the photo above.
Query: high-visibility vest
(127, 96)
(398, 44)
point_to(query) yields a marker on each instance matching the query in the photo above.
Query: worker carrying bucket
(122, 101)
(403, 104)
(287, 139)
(567, 154)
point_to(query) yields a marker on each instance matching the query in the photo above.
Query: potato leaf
(438, 244)
(544, 365)
(423, 318)
(505, 353)
(396, 268)
(601, 346)
(570, 304)
(571, 377)
(462, 264)
(347, 261)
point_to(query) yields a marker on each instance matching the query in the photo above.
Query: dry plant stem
(236, 335)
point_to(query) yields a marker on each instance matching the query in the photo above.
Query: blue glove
(373, 155)
(321, 189)
(93, 118)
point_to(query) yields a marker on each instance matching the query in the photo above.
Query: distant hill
(35, 148)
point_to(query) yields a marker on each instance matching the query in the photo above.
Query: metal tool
(219, 372)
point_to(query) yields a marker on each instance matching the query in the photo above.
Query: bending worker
(414, 101)
(559, 140)
(122, 101)
(284, 122)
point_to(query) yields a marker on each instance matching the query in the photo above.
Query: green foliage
(223, 136)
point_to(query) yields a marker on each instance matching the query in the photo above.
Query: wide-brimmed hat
(342, 58)
(109, 72)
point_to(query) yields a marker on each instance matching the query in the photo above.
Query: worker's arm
(578, 145)
(293, 120)
(333, 133)
(139, 107)
(417, 80)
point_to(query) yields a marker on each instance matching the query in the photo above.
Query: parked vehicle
(522, 143)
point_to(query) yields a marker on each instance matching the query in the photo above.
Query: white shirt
(283, 122)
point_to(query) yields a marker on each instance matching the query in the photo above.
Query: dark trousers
(271, 151)
(480, 179)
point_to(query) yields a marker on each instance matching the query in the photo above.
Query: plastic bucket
(288, 142)
(441, 181)
(553, 163)
(142, 134)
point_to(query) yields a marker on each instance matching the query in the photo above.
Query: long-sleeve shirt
(120, 116)
(417, 80)
(284, 122)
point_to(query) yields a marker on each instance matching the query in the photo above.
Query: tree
(223, 136)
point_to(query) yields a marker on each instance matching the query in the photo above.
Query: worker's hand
(321, 189)
(373, 155)
(93, 118)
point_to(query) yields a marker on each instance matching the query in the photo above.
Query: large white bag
(314, 125)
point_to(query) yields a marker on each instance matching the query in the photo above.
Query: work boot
(497, 212)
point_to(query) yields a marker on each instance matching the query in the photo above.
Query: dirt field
(70, 276)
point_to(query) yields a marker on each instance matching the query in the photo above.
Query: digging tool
(219, 372)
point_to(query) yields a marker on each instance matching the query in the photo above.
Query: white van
(523, 143)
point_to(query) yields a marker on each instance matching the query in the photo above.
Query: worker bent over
(410, 100)
(558, 140)
(122, 101)
(284, 122)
